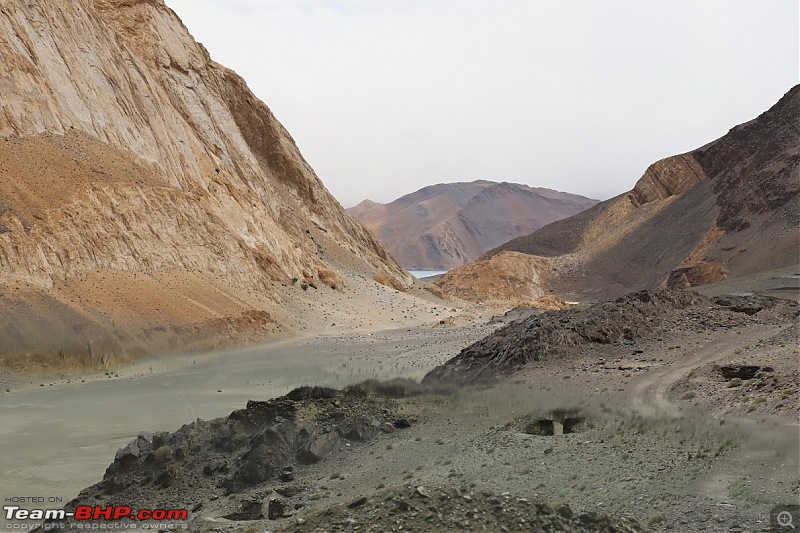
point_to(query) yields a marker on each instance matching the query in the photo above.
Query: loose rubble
(633, 318)
(418, 508)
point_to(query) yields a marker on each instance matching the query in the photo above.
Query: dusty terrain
(447, 225)
(642, 447)
(154, 213)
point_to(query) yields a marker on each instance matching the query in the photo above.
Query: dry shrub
(163, 453)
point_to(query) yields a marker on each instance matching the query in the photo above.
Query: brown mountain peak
(446, 225)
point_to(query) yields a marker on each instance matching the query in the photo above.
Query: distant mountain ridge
(729, 208)
(450, 224)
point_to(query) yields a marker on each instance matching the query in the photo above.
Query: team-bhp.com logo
(94, 512)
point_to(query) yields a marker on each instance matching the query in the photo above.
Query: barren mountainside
(145, 192)
(450, 224)
(729, 208)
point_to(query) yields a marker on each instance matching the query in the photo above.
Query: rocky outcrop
(508, 278)
(635, 318)
(696, 270)
(665, 178)
(450, 224)
(133, 164)
(266, 443)
(695, 275)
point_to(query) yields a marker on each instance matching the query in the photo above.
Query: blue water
(419, 274)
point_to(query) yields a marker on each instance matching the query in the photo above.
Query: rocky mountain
(146, 194)
(729, 208)
(450, 224)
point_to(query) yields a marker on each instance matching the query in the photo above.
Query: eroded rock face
(695, 275)
(666, 178)
(133, 163)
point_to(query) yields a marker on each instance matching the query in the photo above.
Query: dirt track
(649, 397)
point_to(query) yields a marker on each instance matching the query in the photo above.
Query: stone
(277, 509)
(422, 492)
(315, 446)
(130, 451)
(251, 509)
(357, 503)
(362, 429)
(287, 474)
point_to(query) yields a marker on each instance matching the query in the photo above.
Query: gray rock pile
(456, 509)
(630, 319)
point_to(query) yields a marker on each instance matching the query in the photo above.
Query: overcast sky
(384, 97)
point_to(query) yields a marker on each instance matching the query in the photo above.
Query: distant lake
(419, 274)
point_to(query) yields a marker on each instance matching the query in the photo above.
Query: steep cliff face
(125, 151)
(450, 224)
(729, 208)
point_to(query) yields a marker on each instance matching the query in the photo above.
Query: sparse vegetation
(163, 453)
(655, 519)
(755, 403)
(726, 444)
(740, 489)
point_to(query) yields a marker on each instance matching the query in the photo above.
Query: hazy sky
(386, 96)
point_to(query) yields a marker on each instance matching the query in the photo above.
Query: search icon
(785, 519)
